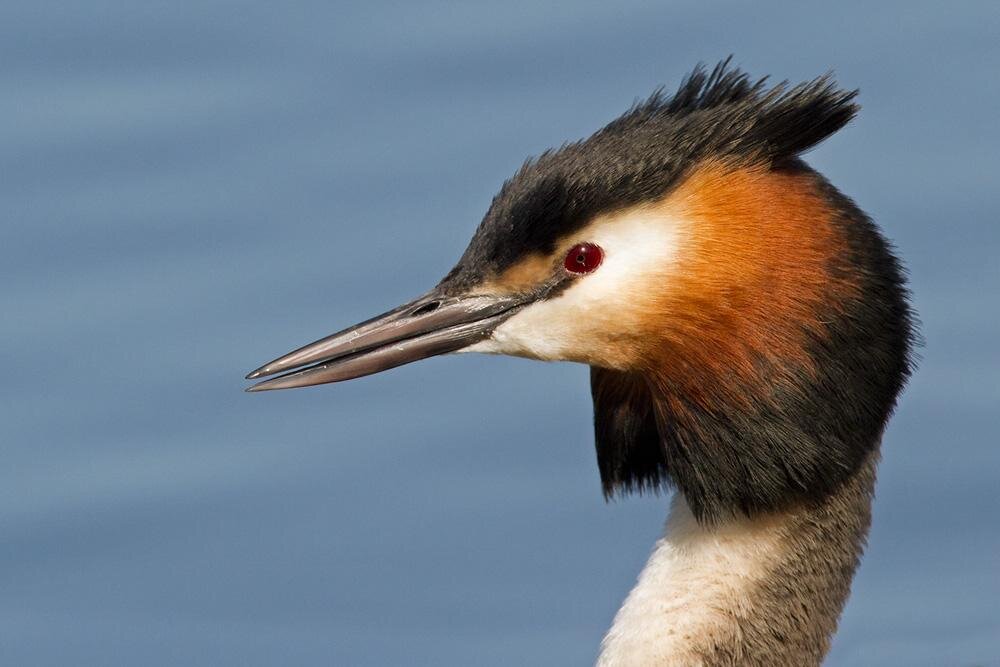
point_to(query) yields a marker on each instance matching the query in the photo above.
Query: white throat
(696, 579)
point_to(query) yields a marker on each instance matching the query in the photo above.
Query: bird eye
(583, 258)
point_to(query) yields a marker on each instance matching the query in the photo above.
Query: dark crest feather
(760, 123)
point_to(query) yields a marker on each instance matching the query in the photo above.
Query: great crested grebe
(747, 330)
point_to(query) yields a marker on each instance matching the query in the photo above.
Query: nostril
(426, 308)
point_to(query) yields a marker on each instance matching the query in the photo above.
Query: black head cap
(639, 156)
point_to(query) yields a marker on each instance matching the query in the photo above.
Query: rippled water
(190, 188)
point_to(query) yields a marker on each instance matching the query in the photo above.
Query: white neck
(694, 576)
(766, 590)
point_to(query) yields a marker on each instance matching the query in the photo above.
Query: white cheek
(640, 249)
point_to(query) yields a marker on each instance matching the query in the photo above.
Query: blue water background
(188, 189)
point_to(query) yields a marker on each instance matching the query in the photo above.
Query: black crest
(639, 156)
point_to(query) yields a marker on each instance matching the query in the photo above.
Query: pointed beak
(431, 325)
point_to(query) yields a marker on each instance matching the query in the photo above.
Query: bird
(748, 332)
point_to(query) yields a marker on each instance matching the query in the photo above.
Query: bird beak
(431, 325)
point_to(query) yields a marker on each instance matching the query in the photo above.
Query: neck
(766, 590)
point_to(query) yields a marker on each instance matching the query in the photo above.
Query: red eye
(583, 258)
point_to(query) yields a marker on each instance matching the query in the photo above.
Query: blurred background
(188, 189)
